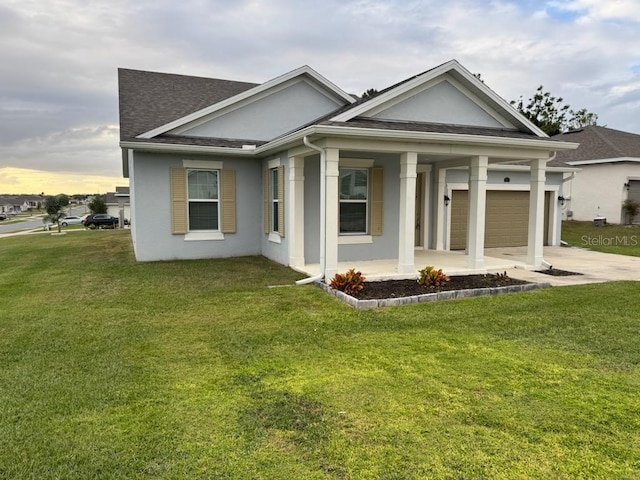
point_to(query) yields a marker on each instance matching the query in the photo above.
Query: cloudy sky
(59, 60)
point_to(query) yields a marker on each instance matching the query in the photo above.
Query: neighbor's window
(274, 199)
(204, 205)
(354, 196)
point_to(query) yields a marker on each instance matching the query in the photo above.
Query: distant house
(118, 204)
(19, 203)
(609, 163)
(298, 170)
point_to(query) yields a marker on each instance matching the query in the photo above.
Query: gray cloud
(58, 96)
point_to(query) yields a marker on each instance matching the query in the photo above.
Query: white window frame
(273, 199)
(190, 200)
(367, 201)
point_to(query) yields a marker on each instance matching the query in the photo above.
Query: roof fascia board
(179, 148)
(604, 160)
(449, 66)
(542, 143)
(339, 131)
(247, 94)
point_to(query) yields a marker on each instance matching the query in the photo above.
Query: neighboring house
(301, 172)
(19, 203)
(609, 163)
(118, 204)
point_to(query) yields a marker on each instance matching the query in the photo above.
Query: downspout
(565, 180)
(544, 263)
(323, 214)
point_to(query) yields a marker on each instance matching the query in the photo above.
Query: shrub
(631, 208)
(502, 277)
(351, 282)
(431, 277)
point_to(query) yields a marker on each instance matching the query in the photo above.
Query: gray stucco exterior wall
(153, 239)
(278, 252)
(442, 103)
(271, 116)
(384, 246)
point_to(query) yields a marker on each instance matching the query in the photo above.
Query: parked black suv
(99, 220)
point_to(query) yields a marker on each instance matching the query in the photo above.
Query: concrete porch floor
(451, 262)
(595, 267)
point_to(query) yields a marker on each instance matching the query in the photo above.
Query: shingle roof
(431, 127)
(149, 99)
(597, 143)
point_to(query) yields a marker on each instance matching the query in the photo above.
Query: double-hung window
(354, 201)
(275, 219)
(203, 200)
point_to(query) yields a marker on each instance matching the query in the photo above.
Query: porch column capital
(408, 164)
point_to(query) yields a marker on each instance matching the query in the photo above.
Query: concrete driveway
(595, 267)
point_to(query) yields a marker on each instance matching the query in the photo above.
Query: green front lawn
(612, 238)
(195, 369)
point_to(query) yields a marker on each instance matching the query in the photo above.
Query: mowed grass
(195, 369)
(610, 238)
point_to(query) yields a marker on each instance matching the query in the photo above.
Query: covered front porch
(415, 193)
(451, 263)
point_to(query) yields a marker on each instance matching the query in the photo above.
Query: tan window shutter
(178, 201)
(265, 200)
(281, 200)
(228, 201)
(376, 200)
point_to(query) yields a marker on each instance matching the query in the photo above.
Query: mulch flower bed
(557, 272)
(408, 288)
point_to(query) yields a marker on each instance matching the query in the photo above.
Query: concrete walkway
(595, 267)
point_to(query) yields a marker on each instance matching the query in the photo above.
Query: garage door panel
(506, 218)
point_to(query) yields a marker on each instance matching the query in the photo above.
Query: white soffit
(253, 92)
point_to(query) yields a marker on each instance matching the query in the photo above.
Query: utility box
(599, 221)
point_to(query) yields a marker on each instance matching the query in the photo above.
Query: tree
(97, 205)
(55, 210)
(551, 115)
(64, 199)
(370, 93)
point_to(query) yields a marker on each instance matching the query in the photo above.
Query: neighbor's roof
(150, 99)
(597, 143)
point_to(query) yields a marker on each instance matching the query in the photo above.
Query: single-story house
(300, 171)
(118, 204)
(609, 163)
(19, 203)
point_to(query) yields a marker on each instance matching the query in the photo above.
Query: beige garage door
(507, 219)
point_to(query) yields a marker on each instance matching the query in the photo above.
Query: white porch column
(477, 209)
(440, 225)
(426, 204)
(332, 213)
(296, 211)
(536, 212)
(408, 164)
